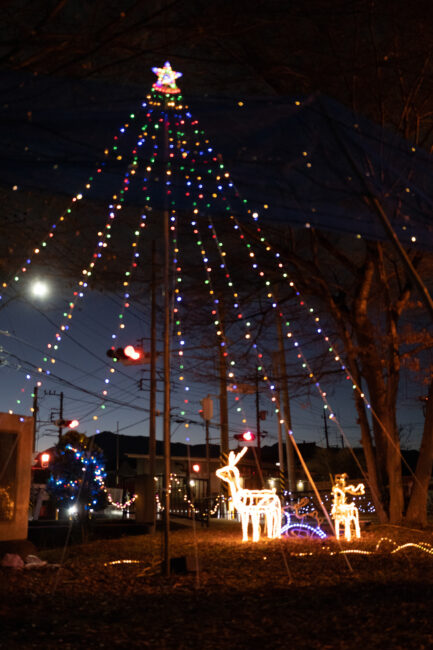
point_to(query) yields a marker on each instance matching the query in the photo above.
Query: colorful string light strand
(102, 243)
(77, 197)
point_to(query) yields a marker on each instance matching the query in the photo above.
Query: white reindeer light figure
(343, 512)
(251, 503)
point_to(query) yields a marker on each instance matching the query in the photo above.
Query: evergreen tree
(77, 474)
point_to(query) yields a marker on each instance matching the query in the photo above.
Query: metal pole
(167, 449)
(152, 405)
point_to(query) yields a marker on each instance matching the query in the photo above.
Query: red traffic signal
(45, 459)
(70, 424)
(247, 438)
(129, 355)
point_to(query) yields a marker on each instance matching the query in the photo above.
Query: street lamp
(39, 289)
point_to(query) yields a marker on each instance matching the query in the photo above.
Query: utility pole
(224, 419)
(61, 416)
(286, 405)
(259, 451)
(207, 414)
(281, 481)
(35, 415)
(326, 429)
(117, 454)
(152, 419)
(277, 372)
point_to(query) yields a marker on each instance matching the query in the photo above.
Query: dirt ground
(370, 593)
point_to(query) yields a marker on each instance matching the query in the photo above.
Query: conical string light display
(193, 154)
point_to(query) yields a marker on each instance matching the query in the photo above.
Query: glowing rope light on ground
(292, 526)
(342, 512)
(424, 547)
(251, 504)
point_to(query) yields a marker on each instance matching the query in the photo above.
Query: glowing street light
(39, 289)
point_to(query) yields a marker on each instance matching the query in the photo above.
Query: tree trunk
(370, 459)
(387, 441)
(393, 464)
(416, 513)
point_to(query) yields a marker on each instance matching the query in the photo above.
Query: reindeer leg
(256, 524)
(274, 524)
(269, 524)
(357, 528)
(244, 518)
(278, 522)
(348, 529)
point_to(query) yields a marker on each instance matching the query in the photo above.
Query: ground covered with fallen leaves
(376, 592)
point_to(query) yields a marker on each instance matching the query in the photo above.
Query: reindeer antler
(238, 456)
(359, 489)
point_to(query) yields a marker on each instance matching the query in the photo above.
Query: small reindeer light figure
(251, 503)
(343, 512)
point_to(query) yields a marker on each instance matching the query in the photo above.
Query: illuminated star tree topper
(166, 82)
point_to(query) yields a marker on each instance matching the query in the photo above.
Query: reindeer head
(230, 472)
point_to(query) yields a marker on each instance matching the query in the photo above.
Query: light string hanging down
(221, 179)
(270, 296)
(79, 293)
(77, 197)
(220, 333)
(247, 336)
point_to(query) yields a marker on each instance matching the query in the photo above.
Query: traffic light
(206, 411)
(247, 438)
(130, 355)
(45, 459)
(70, 424)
